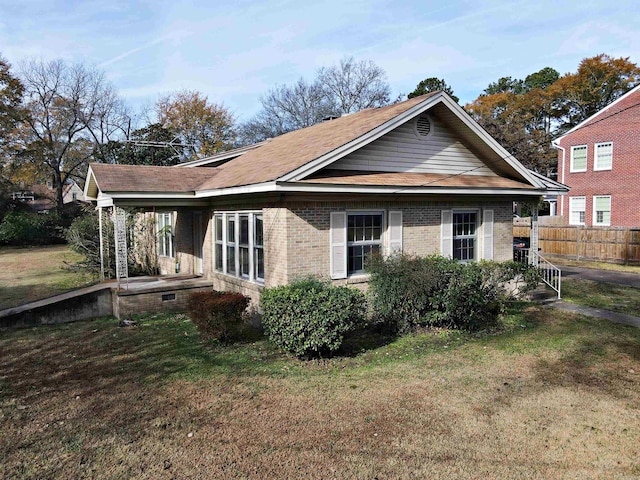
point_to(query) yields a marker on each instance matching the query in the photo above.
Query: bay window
(239, 245)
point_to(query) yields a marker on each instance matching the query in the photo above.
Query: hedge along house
(418, 176)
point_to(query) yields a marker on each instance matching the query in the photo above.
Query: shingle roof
(292, 150)
(143, 178)
(407, 179)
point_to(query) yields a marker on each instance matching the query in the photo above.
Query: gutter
(554, 144)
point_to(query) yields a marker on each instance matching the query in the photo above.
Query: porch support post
(120, 238)
(533, 243)
(101, 244)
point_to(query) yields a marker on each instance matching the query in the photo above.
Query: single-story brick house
(418, 176)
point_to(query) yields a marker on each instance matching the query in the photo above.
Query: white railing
(550, 274)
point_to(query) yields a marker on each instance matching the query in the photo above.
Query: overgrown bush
(29, 228)
(407, 291)
(83, 237)
(217, 315)
(310, 318)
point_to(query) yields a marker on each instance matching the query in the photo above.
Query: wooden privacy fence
(607, 244)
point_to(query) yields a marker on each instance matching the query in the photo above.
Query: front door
(198, 240)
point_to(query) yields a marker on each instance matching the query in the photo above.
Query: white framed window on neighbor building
(603, 156)
(356, 235)
(166, 240)
(578, 158)
(239, 245)
(577, 210)
(602, 210)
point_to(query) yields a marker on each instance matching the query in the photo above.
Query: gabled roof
(299, 160)
(143, 178)
(609, 109)
(293, 150)
(220, 158)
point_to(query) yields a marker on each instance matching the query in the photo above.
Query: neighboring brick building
(418, 176)
(599, 160)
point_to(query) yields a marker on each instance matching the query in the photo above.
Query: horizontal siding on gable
(402, 151)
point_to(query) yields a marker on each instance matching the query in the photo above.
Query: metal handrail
(550, 274)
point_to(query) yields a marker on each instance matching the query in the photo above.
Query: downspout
(554, 144)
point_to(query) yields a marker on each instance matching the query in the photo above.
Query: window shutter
(338, 239)
(487, 230)
(446, 234)
(395, 232)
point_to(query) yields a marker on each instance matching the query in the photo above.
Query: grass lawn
(559, 261)
(33, 273)
(556, 396)
(608, 296)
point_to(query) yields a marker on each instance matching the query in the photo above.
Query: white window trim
(476, 246)
(595, 217)
(586, 162)
(252, 214)
(383, 242)
(169, 252)
(595, 157)
(571, 200)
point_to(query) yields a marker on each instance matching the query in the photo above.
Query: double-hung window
(465, 227)
(164, 222)
(577, 210)
(364, 238)
(258, 248)
(579, 158)
(239, 245)
(603, 156)
(602, 210)
(219, 241)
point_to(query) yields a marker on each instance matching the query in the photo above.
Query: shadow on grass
(368, 338)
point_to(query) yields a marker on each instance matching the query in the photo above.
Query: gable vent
(423, 126)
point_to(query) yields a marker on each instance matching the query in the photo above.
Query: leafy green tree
(598, 81)
(203, 128)
(150, 145)
(432, 84)
(525, 115)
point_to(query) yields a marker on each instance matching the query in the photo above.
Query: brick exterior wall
(296, 236)
(623, 180)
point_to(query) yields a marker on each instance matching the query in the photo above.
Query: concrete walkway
(596, 275)
(596, 312)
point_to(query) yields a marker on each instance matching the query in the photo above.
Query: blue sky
(234, 51)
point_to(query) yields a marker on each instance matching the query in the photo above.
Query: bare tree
(286, 108)
(345, 88)
(71, 111)
(355, 85)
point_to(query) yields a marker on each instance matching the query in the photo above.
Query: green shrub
(28, 228)
(407, 291)
(402, 287)
(310, 318)
(467, 301)
(217, 315)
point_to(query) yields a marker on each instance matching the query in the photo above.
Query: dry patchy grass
(29, 274)
(609, 296)
(555, 397)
